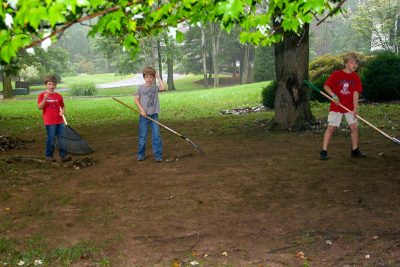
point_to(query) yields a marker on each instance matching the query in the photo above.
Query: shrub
(264, 64)
(381, 78)
(319, 82)
(83, 89)
(268, 94)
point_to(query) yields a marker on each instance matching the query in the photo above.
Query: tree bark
(215, 37)
(7, 86)
(245, 66)
(204, 55)
(292, 106)
(159, 59)
(170, 67)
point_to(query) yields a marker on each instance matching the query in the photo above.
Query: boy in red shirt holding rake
(343, 86)
(52, 106)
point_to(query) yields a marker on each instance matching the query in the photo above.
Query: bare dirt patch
(255, 198)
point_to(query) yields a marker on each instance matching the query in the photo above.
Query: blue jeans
(53, 131)
(155, 134)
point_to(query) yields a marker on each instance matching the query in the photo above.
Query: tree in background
(379, 21)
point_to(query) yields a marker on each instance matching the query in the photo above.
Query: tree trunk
(210, 66)
(215, 36)
(159, 59)
(292, 106)
(7, 86)
(397, 34)
(245, 66)
(170, 67)
(204, 55)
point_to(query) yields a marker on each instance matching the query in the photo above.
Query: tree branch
(332, 12)
(70, 23)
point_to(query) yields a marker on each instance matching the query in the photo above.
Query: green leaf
(56, 13)
(180, 36)
(36, 15)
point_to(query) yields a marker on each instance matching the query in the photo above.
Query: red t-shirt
(344, 85)
(51, 109)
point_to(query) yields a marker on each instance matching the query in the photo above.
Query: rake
(312, 86)
(162, 125)
(73, 142)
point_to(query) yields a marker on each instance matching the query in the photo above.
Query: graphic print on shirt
(345, 86)
(151, 98)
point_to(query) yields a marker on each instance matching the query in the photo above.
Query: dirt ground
(254, 198)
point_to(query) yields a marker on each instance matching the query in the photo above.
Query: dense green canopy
(26, 23)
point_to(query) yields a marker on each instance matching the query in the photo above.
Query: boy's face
(149, 79)
(51, 86)
(352, 65)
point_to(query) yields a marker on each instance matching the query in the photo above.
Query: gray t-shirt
(148, 97)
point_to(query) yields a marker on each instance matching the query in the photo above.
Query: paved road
(136, 80)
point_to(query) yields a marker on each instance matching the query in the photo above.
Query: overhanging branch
(332, 12)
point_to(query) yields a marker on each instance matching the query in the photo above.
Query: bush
(381, 78)
(268, 94)
(264, 64)
(83, 89)
(319, 83)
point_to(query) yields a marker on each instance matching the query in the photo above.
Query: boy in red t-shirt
(343, 86)
(52, 106)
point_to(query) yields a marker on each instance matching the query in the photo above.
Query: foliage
(319, 83)
(268, 94)
(83, 89)
(378, 21)
(324, 65)
(23, 23)
(381, 78)
(117, 57)
(264, 64)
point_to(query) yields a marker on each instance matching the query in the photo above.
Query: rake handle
(147, 117)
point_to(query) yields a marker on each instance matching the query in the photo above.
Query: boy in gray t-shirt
(146, 99)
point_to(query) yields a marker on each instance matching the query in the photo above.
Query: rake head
(397, 141)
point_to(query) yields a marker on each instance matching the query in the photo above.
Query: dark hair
(149, 71)
(50, 78)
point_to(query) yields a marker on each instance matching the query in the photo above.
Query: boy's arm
(331, 93)
(137, 102)
(43, 101)
(160, 82)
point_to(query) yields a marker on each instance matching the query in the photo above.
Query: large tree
(28, 23)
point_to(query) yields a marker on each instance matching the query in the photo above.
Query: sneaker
(357, 153)
(66, 158)
(140, 158)
(50, 159)
(158, 160)
(323, 154)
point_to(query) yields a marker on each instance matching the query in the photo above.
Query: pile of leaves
(11, 142)
(238, 111)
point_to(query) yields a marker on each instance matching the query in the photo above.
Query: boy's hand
(46, 95)
(335, 98)
(143, 113)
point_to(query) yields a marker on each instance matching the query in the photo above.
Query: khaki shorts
(335, 118)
